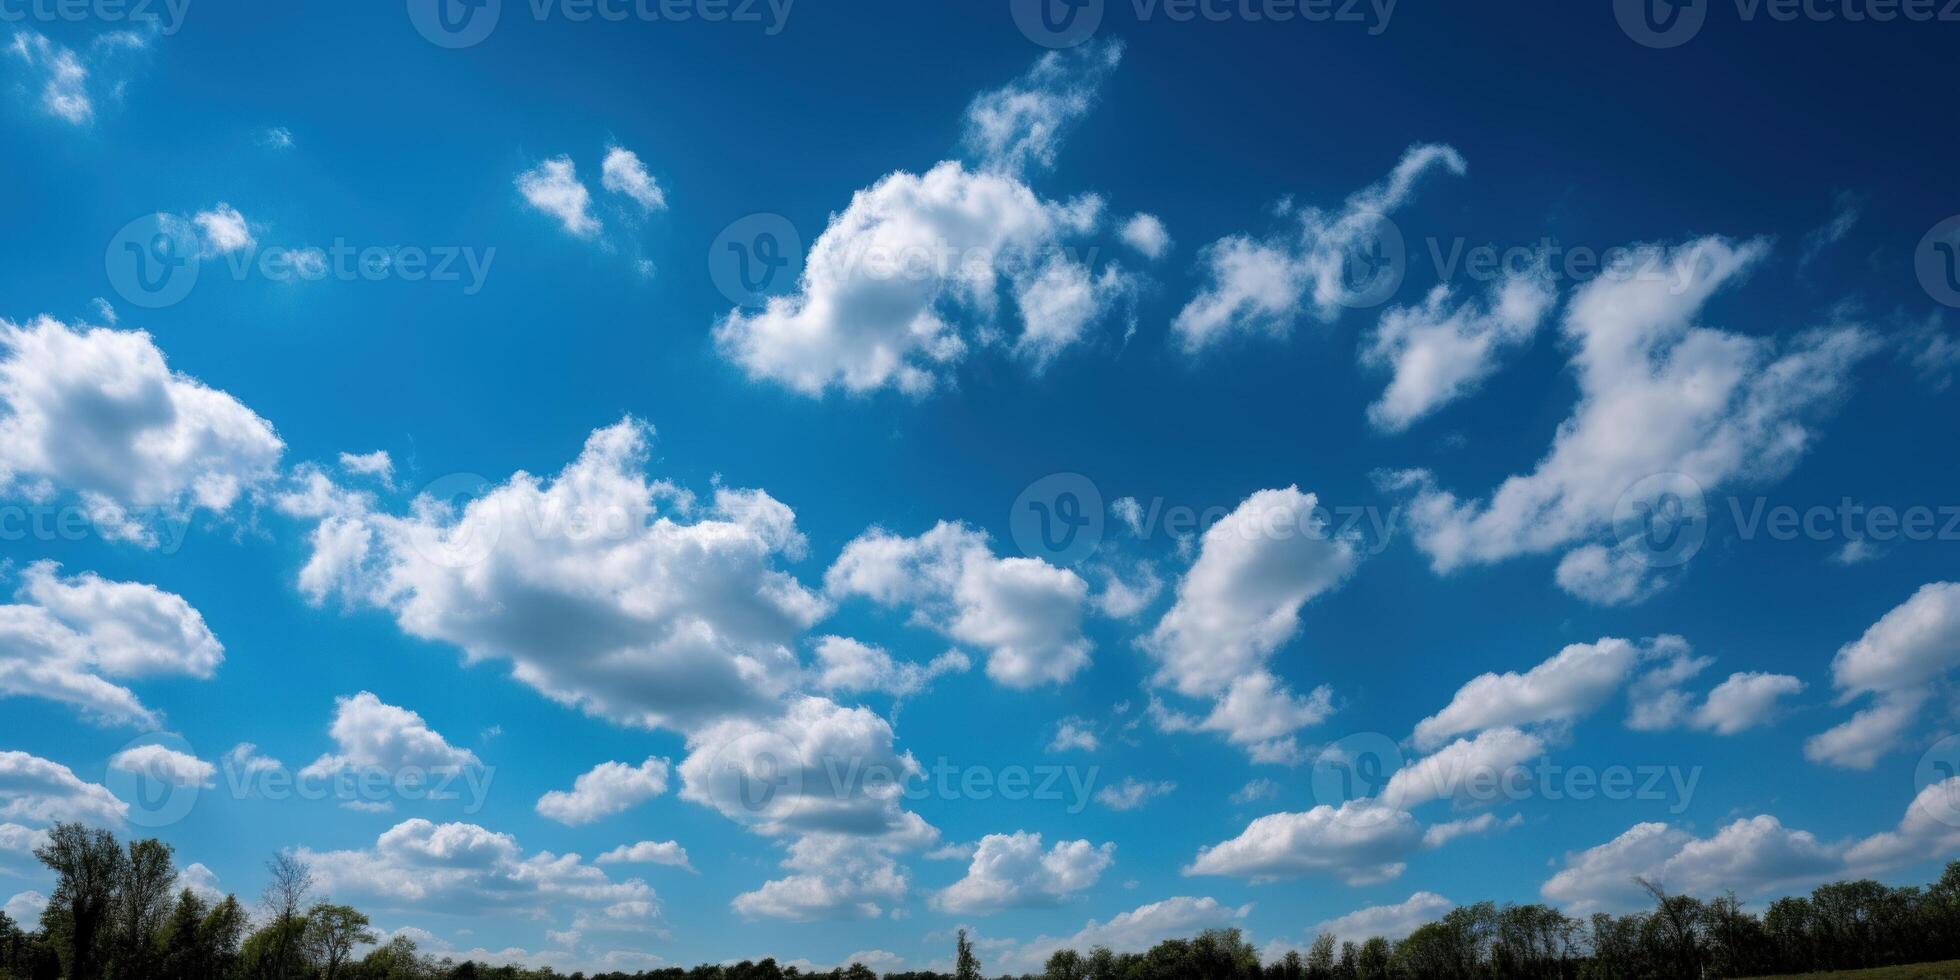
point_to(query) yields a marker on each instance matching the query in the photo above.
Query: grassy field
(1949, 970)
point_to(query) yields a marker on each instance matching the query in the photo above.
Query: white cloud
(65, 637)
(1390, 922)
(1909, 647)
(623, 173)
(1460, 765)
(1012, 871)
(1930, 829)
(371, 736)
(200, 881)
(669, 853)
(64, 92)
(38, 791)
(1025, 612)
(1440, 352)
(1240, 602)
(1573, 683)
(224, 230)
(844, 664)
(1744, 701)
(1660, 396)
(1439, 834)
(1256, 791)
(886, 287)
(553, 187)
(98, 411)
(833, 876)
(603, 590)
(465, 869)
(1146, 234)
(1132, 793)
(1074, 733)
(377, 464)
(25, 909)
(1360, 842)
(1021, 126)
(1262, 286)
(1122, 598)
(166, 765)
(1133, 931)
(245, 760)
(609, 788)
(1750, 856)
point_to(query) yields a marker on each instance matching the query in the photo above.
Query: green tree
(332, 932)
(88, 867)
(966, 966)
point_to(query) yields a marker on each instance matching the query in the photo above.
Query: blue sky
(1211, 282)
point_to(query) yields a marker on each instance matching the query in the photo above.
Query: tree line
(116, 914)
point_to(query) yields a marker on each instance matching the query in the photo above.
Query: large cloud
(609, 788)
(464, 869)
(1658, 395)
(1264, 285)
(66, 636)
(1908, 648)
(372, 736)
(38, 791)
(1749, 856)
(1012, 871)
(1240, 602)
(99, 413)
(1359, 842)
(889, 287)
(1573, 683)
(1024, 611)
(600, 588)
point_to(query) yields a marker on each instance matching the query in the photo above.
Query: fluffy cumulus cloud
(1658, 701)
(553, 188)
(1013, 871)
(1893, 663)
(844, 664)
(1359, 842)
(1390, 922)
(223, 230)
(1442, 350)
(1072, 734)
(1132, 793)
(668, 852)
(465, 869)
(372, 736)
(1262, 286)
(70, 639)
(609, 788)
(1236, 605)
(34, 790)
(25, 908)
(1572, 684)
(1460, 765)
(166, 765)
(1667, 409)
(602, 589)
(1134, 931)
(1751, 856)
(910, 277)
(832, 876)
(1026, 613)
(1146, 234)
(623, 173)
(98, 412)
